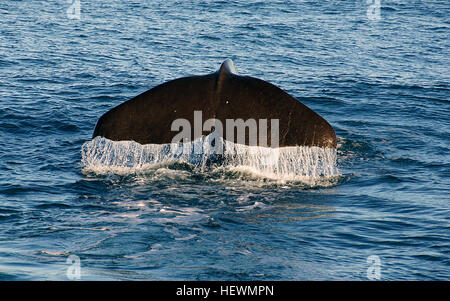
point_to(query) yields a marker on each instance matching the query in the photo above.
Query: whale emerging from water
(223, 95)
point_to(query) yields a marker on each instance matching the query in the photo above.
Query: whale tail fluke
(223, 95)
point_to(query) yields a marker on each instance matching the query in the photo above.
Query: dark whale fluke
(222, 95)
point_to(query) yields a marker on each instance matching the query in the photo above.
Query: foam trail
(102, 155)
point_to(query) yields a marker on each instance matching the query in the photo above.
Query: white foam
(102, 155)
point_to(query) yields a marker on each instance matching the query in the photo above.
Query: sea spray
(102, 155)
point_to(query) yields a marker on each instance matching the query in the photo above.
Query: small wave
(304, 164)
(388, 8)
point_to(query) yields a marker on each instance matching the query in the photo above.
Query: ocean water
(376, 208)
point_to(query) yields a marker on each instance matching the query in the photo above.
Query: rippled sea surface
(382, 84)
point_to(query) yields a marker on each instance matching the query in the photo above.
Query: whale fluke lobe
(223, 95)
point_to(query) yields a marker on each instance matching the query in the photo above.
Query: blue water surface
(382, 83)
